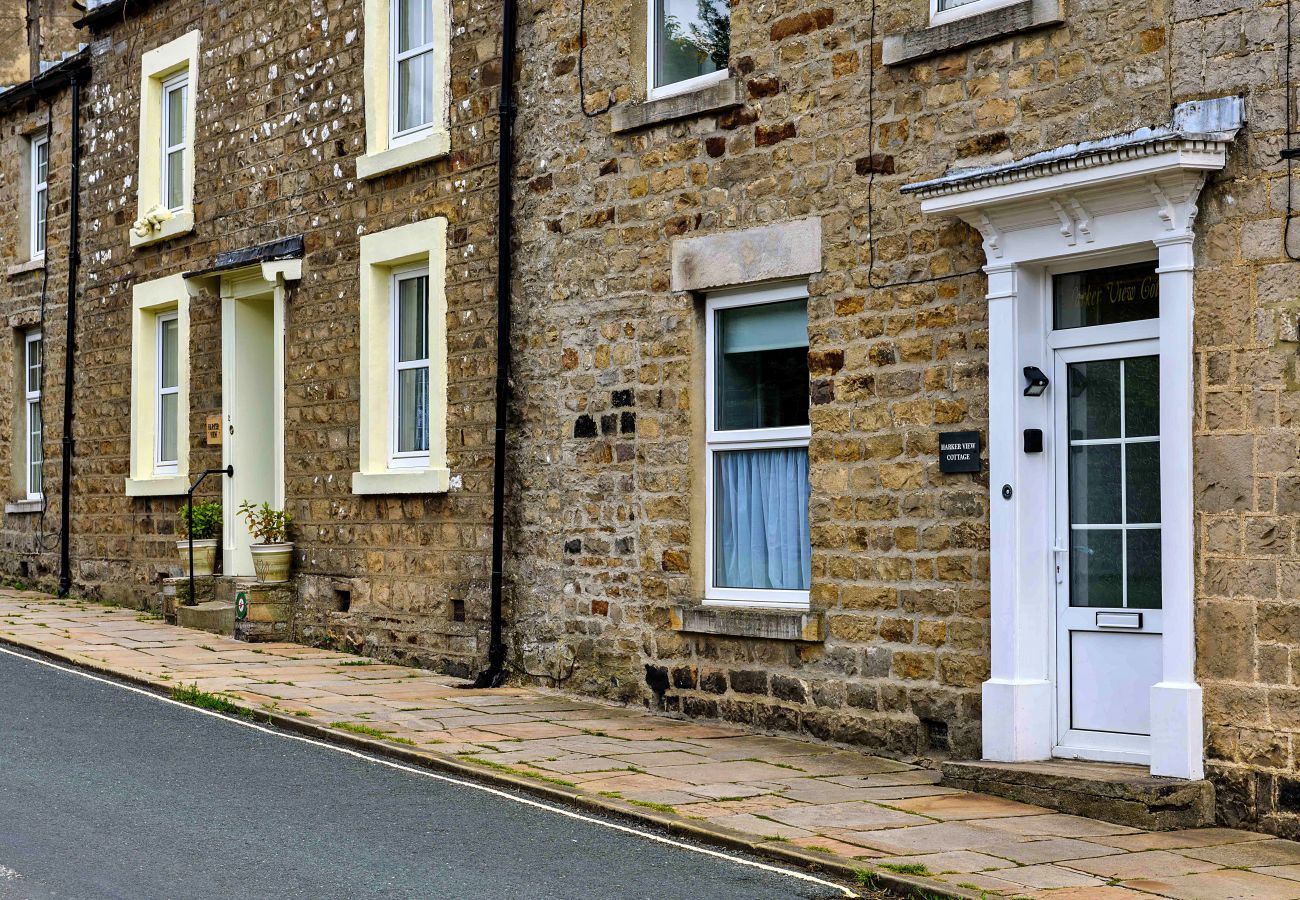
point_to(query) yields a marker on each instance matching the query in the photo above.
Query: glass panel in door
(1113, 473)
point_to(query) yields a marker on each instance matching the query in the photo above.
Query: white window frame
(964, 11)
(397, 138)
(40, 197)
(178, 82)
(654, 92)
(162, 68)
(33, 455)
(165, 466)
(717, 441)
(410, 459)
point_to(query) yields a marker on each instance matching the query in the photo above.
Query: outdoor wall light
(1037, 381)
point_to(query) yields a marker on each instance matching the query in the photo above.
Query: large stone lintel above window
(768, 624)
(913, 45)
(767, 253)
(711, 98)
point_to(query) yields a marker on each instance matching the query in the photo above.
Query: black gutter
(495, 673)
(70, 342)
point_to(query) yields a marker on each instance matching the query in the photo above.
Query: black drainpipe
(70, 345)
(495, 673)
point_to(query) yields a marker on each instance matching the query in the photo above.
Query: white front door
(1107, 548)
(252, 412)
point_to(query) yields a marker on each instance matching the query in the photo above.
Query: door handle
(1060, 573)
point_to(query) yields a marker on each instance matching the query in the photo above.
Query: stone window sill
(159, 486)
(402, 481)
(24, 507)
(1023, 16)
(32, 265)
(710, 98)
(750, 622)
(181, 223)
(381, 162)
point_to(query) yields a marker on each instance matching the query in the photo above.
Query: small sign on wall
(213, 430)
(959, 451)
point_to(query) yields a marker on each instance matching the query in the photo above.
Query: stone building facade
(921, 195)
(631, 218)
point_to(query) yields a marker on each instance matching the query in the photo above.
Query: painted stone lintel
(766, 253)
(769, 624)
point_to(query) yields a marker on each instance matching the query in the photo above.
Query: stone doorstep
(214, 616)
(1121, 794)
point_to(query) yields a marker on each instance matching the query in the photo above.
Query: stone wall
(32, 295)
(280, 122)
(608, 473)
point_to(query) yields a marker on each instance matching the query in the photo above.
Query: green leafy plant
(267, 525)
(207, 520)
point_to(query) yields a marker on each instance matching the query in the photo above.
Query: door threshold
(1121, 793)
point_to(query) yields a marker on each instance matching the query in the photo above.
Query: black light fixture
(1037, 381)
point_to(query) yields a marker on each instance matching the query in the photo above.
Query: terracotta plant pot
(271, 562)
(205, 556)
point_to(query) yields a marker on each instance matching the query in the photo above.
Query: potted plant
(272, 551)
(206, 518)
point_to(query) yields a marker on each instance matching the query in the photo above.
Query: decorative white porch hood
(1134, 193)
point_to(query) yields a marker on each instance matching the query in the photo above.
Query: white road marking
(536, 804)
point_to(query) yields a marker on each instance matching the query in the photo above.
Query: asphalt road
(108, 793)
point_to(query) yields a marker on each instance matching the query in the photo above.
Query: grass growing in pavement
(368, 731)
(358, 662)
(907, 868)
(511, 770)
(657, 807)
(195, 696)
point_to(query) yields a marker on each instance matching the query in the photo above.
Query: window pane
(175, 179)
(413, 410)
(42, 173)
(415, 91)
(1106, 296)
(34, 449)
(38, 226)
(167, 365)
(1094, 400)
(167, 428)
(761, 535)
(1142, 396)
(1094, 485)
(952, 4)
(176, 115)
(1142, 483)
(1096, 567)
(762, 366)
(414, 24)
(34, 365)
(692, 38)
(1144, 568)
(413, 319)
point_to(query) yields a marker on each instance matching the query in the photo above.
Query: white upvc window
(411, 53)
(33, 362)
(688, 43)
(403, 402)
(175, 141)
(40, 200)
(758, 545)
(167, 379)
(944, 11)
(407, 76)
(409, 353)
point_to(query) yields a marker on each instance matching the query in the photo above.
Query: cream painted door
(1107, 548)
(250, 407)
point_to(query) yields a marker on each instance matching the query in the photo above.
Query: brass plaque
(213, 430)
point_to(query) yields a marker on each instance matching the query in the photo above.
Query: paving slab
(784, 797)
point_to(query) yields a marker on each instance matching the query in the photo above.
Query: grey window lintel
(996, 23)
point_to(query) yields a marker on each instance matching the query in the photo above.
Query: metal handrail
(229, 472)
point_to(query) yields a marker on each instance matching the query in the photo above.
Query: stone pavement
(848, 813)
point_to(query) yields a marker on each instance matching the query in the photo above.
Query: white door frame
(1098, 206)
